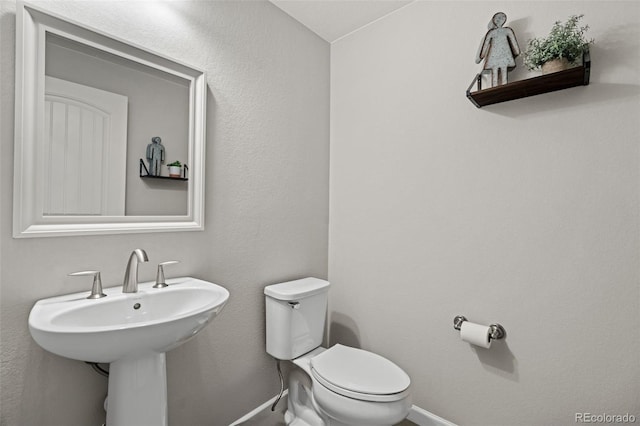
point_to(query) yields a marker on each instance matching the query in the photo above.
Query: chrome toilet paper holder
(496, 331)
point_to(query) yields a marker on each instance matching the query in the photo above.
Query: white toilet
(329, 387)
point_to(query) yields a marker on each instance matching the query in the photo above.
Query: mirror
(98, 121)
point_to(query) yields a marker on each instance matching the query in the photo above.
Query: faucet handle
(96, 289)
(160, 275)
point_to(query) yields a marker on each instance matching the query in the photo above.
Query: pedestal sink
(132, 332)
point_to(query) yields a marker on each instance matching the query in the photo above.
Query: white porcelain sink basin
(132, 332)
(125, 324)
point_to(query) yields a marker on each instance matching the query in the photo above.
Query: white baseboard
(422, 417)
(259, 410)
(417, 415)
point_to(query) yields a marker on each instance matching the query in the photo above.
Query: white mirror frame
(32, 23)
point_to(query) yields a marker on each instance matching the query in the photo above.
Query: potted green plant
(175, 169)
(564, 46)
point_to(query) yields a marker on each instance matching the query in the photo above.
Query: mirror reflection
(107, 121)
(99, 121)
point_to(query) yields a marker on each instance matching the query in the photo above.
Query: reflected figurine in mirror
(499, 49)
(155, 155)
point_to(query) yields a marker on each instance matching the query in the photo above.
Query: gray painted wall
(525, 213)
(266, 211)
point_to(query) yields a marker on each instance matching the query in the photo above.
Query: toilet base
(301, 410)
(291, 420)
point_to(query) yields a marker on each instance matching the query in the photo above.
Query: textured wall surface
(266, 211)
(525, 213)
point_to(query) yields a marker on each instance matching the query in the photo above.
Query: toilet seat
(359, 374)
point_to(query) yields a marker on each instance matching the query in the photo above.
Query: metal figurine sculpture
(155, 155)
(498, 49)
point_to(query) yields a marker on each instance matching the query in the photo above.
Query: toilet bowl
(356, 387)
(338, 386)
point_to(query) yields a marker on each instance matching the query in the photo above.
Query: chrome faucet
(130, 283)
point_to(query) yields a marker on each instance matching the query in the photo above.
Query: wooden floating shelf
(572, 77)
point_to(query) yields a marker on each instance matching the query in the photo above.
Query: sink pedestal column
(138, 391)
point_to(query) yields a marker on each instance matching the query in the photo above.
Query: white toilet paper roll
(476, 334)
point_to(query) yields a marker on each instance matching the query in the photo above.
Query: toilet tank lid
(297, 289)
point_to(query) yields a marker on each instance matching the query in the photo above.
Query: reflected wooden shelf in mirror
(572, 77)
(144, 173)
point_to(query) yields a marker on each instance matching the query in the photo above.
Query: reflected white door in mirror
(87, 105)
(83, 155)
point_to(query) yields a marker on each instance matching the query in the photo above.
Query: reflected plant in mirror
(84, 118)
(175, 169)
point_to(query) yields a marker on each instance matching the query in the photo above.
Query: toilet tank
(296, 312)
